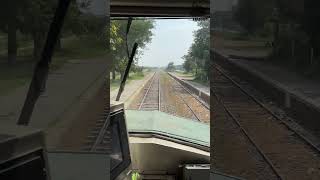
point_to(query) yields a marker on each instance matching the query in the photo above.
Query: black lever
(130, 57)
(124, 78)
(127, 32)
(42, 68)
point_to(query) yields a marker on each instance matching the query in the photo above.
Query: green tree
(188, 63)
(170, 66)
(10, 20)
(198, 56)
(252, 14)
(38, 15)
(12, 31)
(74, 21)
(311, 25)
(244, 14)
(140, 32)
(34, 17)
(302, 15)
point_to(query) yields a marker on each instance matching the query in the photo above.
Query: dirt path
(131, 90)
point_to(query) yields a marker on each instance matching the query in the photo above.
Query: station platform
(203, 92)
(289, 81)
(299, 96)
(200, 87)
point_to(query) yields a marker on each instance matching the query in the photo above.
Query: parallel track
(288, 153)
(179, 86)
(191, 105)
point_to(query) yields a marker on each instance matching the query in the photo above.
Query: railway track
(151, 99)
(288, 153)
(187, 97)
(166, 94)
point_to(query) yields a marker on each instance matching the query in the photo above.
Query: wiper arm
(130, 57)
(124, 79)
(41, 71)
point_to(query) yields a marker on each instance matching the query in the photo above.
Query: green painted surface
(162, 123)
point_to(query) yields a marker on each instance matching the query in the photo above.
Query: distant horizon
(170, 41)
(159, 66)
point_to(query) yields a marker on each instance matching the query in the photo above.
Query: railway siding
(287, 152)
(205, 97)
(164, 93)
(300, 103)
(231, 151)
(199, 109)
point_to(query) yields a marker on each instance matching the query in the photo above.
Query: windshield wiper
(41, 71)
(130, 57)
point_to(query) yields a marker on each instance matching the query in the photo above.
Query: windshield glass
(77, 70)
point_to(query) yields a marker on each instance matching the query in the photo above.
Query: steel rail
(264, 156)
(313, 147)
(196, 97)
(305, 139)
(192, 111)
(145, 95)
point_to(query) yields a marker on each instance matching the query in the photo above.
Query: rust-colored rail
(288, 152)
(151, 99)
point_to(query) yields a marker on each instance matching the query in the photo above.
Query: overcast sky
(171, 40)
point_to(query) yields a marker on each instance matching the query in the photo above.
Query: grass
(192, 77)
(115, 83)
(24, 43)
(240, 42)
(185, 74)
(78, 48)
(202, 82)
(12, 77)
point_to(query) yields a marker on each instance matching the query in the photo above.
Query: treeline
(140, 32)
(197, 60)
(292, 25)
(32, 19)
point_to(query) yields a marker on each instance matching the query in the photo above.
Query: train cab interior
(144, 145)
(164, 146)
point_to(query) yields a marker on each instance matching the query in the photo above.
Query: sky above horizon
(170, 41)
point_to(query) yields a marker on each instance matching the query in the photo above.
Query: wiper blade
(41, 71)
